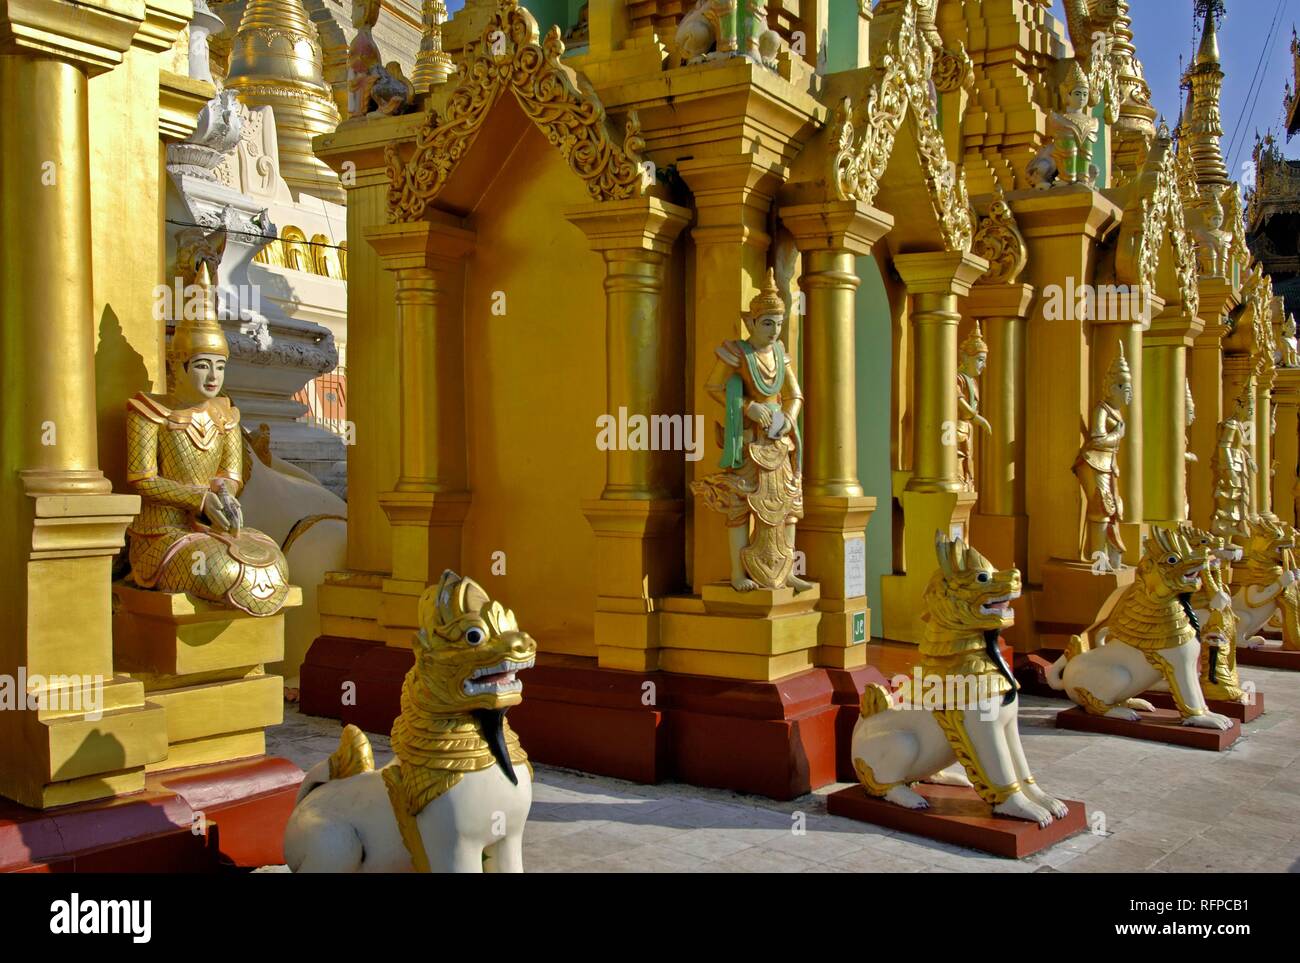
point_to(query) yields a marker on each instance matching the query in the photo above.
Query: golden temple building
(556, 212)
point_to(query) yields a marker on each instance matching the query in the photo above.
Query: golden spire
(1203, 127)
(1135, 129)
(432, 65)
(275, 61)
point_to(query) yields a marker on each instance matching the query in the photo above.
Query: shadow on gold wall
(119, 373)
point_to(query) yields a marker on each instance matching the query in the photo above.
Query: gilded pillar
(832, 535)
(1265, 374)
(1286, 443)
(999, 523)
(1164, 414)
(931, 499)
(1062, 229)
(1208, 395)
(63, 524)
(637, 519)
(428, 504)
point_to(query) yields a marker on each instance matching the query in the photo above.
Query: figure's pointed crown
(201, 335)
(1074, 78)
(768, 300)
(1119, 370)
(974, 343)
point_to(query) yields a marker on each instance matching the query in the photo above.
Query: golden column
(931, 499)
(62, 524)
(1265, 373)
(1164, 414)
(637, 519)
(427, 506)
(830, 236)
(1286, 443)
(1000, 523)
(1062, 229)
(1208, 395)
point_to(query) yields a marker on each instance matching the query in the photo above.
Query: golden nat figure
(760, 486)
(185, 457)
(974, 359)
(1097, 467)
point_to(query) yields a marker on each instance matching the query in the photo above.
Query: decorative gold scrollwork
(509, 56)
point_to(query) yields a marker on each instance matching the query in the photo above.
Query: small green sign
(859, 627)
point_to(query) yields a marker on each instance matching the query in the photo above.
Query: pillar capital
(1000, 300)
(836, 226)
(1173, 326)
(1065, 211)
(940, 272)
(93, 34)
(411, 244)
(638, 224)
(1218, 297)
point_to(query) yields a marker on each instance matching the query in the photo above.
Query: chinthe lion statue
(1219, 625)
(973, 718)
(457, 793)
(1149, 635)
(1266, 583)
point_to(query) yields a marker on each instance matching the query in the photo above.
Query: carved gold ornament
(863, 134)
(998, 240)
(1155, 213)
(509, 57)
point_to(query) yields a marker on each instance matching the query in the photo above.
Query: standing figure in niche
(760, 489)
(1097, 468)
(974, 358)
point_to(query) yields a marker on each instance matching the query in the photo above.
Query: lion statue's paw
(1209, 720)
(1020, 806)
(1124, 713)
(1141, 705)
(1254, 642)
(1050, 803)
(952, 776)
(907, 798)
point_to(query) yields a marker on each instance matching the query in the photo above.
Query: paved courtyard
(1165, 808)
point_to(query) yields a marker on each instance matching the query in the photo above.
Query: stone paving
(1165, 808)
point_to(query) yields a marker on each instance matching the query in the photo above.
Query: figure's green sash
(733, 447)
(733, 439)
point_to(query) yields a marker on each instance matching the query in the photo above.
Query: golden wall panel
(535, 384)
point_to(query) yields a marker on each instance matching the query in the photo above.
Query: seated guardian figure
(185, 458)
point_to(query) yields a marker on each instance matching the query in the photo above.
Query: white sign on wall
(855, 567)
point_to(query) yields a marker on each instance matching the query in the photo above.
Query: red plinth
(1233, 710)
(1269, 657)
(193, 820)
(1163, 725)
(958, 816)
(779, 739)
(1031, 672)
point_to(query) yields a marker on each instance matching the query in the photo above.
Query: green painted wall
(875, 352)
(841, 38)
(547, 12)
